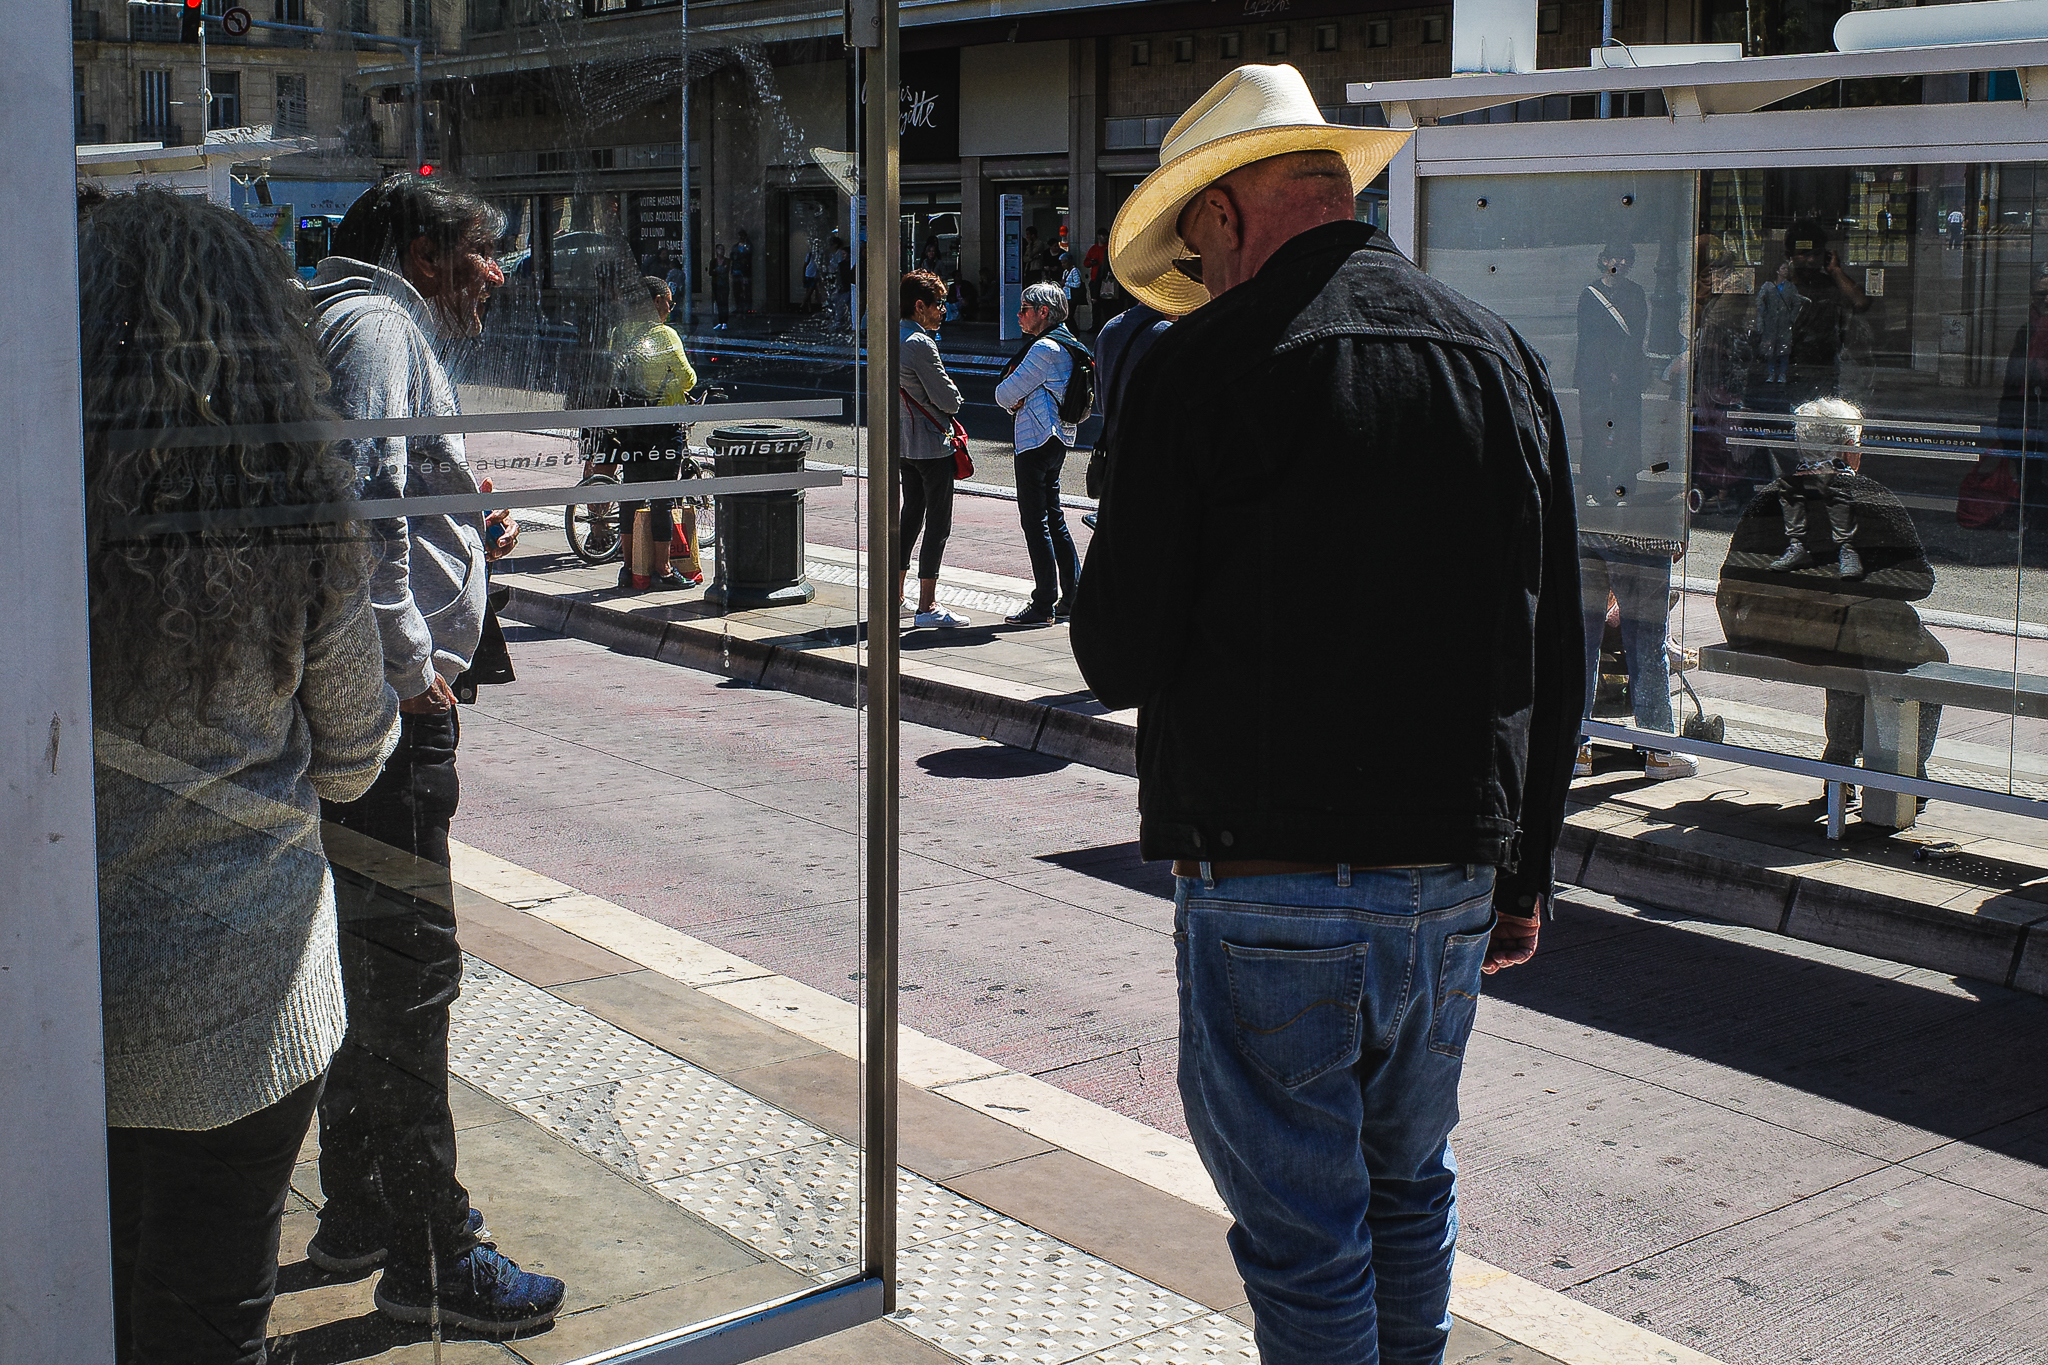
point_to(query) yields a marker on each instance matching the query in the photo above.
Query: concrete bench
(1891, 717)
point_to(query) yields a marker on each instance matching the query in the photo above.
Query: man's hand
(436, 700)
(501, 517)
(1513, 941)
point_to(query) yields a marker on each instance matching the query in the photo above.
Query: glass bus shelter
(584, 130)
(1866, 231)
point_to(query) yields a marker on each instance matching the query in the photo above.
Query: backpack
(1079, 399)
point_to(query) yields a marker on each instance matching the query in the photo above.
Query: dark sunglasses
(1190, 266)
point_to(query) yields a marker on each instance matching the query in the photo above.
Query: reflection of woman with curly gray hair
(237, 677)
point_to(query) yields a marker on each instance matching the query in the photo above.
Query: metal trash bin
(760, 561)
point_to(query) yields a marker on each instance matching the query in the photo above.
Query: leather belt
(1270, 867)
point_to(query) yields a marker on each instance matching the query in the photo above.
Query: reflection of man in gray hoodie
(411, 260)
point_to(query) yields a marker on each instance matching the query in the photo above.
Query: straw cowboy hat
(1251, 114)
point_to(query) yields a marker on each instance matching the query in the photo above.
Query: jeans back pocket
(1297, 1010)
(1457, 991)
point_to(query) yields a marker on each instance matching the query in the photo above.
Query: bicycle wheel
(593, 527)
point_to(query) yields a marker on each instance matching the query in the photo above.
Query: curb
(832, 675)
(2013, 954)
(1812, 909)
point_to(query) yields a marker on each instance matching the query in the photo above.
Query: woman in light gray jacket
(929, 398)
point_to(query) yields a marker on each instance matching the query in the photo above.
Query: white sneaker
(906, 608)
(939, 616)
(1582, 766)
(1662, 767)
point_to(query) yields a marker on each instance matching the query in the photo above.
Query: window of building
(416, 18)
(1184, 49)
(1141, 52)
(1276, 42)
(1433, 28)
(226, 109)
(291, 104)
(289, 11)
(1379, 33)
(1327, 37)
(1122, 134)
(152, 101)
(1550, 18)
(1228, 45)
(78, 101)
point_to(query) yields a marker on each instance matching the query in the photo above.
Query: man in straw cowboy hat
(1356, 745)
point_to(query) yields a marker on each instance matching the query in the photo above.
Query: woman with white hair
(1031, 389)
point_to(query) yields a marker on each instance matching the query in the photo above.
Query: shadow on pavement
(1949, 1062)
(990, 761)
(1119, 865)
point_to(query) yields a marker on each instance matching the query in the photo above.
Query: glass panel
(1866, 389)
(1594, 271)
(399, 444)
(1830, 422)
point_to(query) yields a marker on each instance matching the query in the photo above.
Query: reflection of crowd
(252, 681)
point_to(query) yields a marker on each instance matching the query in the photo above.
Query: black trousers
(1054, 563)
(662, 464)
(195, 1224)
(1795, 488)
(387, 1139)
(927, 505)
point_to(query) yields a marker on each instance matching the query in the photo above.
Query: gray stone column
(977, 248)
(1084, 134)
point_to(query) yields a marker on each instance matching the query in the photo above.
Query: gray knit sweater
(221, 987)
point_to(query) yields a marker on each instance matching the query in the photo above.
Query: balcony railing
(170, 134)
(85, 26)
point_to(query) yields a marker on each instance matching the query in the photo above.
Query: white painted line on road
(1496, 1299)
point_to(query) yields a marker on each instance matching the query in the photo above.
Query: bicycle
(593, 528)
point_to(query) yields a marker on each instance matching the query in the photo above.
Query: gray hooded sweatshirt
(429, 585)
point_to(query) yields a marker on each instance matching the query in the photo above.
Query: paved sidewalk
(1965, 891)
(670, 1128)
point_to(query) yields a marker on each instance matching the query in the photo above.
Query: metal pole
(419, 127)
(205, 84)
(683, 235)
(881, 168)
(1606, 37)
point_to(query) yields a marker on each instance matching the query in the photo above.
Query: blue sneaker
(347, 1245)
(480, 1291)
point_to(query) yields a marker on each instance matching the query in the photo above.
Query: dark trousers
(927, 505)
(195, 1222)
(662, 464)
(387, 1139)
(1054, 565)
(1795, 488)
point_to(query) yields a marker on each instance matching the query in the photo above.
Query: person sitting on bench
(1817, 472)
(1814, 612)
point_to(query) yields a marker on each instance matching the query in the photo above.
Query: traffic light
(426, 168)
(192, 18)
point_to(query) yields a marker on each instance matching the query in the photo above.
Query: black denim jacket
(1336, 571)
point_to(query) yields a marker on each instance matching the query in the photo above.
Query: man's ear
(423, 264)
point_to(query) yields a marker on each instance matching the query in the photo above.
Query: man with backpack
(1049, 388)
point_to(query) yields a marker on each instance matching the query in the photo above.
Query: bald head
(1236, 223)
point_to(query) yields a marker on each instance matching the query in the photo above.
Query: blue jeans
(1641, 584)
(1323, 1027)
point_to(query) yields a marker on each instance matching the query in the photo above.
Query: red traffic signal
(426, 168)
(191, 18)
